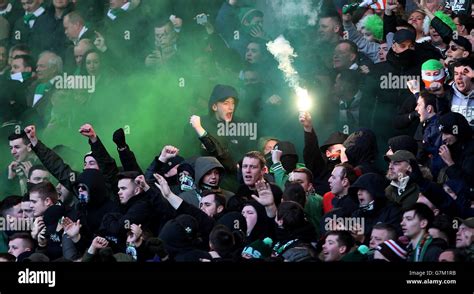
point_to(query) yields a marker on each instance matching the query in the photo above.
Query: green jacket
(314, 211)
(280, 174)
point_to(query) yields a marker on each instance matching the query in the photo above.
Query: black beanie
(221, 93)
(403, 142)
(455, 124)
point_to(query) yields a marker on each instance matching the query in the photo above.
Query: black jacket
(39, 38)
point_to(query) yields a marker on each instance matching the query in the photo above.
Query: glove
(413, 115)
(119, 138)
(416, 175)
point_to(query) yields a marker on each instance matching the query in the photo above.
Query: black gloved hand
(413, 115)
(119, 138)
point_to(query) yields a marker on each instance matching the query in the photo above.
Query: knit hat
(172, 162)
(403, 142)
(234, 220)
(404, 35)
(392, 250)
(221, 93)
(432, 65)
(180, 232)
(188, 166)
(372, 183)
(258, 249)
(455, 124)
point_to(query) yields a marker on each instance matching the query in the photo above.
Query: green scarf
(421, 247)
(29, 17)
(43, 88)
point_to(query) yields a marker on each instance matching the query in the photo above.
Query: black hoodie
(462, 151)
(361, 150)
(92, 212)
(383, 211)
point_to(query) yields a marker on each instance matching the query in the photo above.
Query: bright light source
(303, 99)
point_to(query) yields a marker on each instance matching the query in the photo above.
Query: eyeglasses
(454, 48)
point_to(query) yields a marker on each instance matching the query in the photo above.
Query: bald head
(81, 48)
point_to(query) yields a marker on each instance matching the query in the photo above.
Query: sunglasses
(82, 187)
(455, 48)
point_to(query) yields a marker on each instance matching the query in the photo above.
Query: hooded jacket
(92, 212)
(383, 211)
(202, 166)
(361, 150)
(462, 151)
(181, 239)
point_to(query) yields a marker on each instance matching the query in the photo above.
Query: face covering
(186, 182)
(83, 198)
(368, 207)
(335, 156)
(428, 80)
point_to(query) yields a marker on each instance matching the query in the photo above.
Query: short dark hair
(423, 212)
(306, 171)
(295, 192)
(20, 47)
(21, 135)
(75, 17)
(9, 202)
(256, 155)
(348, 172)
(352, 47)
(45, 190)
(36, 167)
(28, 60)
(467, 61)
(466, 21)
(334, 16)
(459, 255)
(127, 175)
(391, 231)
(26, 237)
(292, 215)
(429, 99)
(403, 23)
(344, 238)
(219, 199)
(222, 239)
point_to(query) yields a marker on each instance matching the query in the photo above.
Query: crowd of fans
(393, 85)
